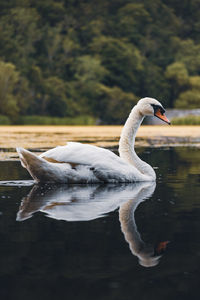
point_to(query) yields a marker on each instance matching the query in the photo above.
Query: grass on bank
(81, 120)
(187, 120)
(4, 120)
(45, 120)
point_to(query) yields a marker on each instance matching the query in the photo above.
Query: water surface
(134, 241)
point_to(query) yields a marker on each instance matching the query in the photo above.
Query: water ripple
(16, 182)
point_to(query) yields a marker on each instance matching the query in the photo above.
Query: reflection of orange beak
(162, 246)
(162, 117)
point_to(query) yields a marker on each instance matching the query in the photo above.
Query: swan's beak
(161, 116)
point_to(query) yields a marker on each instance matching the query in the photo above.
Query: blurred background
(88, 62)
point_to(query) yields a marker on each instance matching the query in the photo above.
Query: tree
(178, 77)
(55, 98)
(133, 22)
(114, 105)
(75, 52)
(190, 98)
(19, 32)
(89, 73)
(123, 61)
(154, 83)
(188, 53)
(9, 78)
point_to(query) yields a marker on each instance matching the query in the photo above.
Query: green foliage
(55, 98)
(72, 58)
(178, 79)
(123, 61)
(88, 73)
(189, 99)
(189, 54)
(9, 78)
(114, 104)
(44, 120)
(89, 69)
(134, 20)
(194, 82)
(154, 83)
(177, 73)
(4, 120)
(189, 120)
(19, 31)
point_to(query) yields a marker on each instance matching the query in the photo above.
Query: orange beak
(162, 117)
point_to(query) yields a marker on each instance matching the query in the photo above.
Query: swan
(83, 163)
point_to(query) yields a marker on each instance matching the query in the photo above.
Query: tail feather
(40, 169)
(28, 158)
(25, 156)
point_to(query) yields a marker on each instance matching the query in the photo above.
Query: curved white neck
(127, 141)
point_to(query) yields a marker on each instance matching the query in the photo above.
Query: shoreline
(40, 138)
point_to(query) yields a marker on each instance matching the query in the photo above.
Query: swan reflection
(89, 202)
(147, 254)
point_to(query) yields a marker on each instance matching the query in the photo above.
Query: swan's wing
(82, 154)
(104, 164)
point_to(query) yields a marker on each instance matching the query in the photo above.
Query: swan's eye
(162, 110)
(158, 108)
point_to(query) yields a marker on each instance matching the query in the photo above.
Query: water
(139, 241)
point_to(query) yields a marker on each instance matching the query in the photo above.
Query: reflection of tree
(187, 163)
(182, 176)
(17, 172)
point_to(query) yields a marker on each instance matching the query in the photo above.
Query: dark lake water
(135, 241)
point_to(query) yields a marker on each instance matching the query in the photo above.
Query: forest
(92, 60)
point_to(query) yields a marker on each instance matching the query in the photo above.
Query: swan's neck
(127, 141)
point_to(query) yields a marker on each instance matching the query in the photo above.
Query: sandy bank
(44, 137)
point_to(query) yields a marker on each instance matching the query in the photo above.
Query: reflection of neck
(129, 228)
(127, 141)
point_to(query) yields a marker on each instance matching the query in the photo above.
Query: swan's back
(81, 154)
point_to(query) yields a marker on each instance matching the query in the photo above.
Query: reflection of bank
(89, 202)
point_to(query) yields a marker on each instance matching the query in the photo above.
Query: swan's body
(82, 163)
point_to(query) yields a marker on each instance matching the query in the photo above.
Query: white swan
(82, 163)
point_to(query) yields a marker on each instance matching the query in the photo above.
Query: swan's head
(152, 107)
